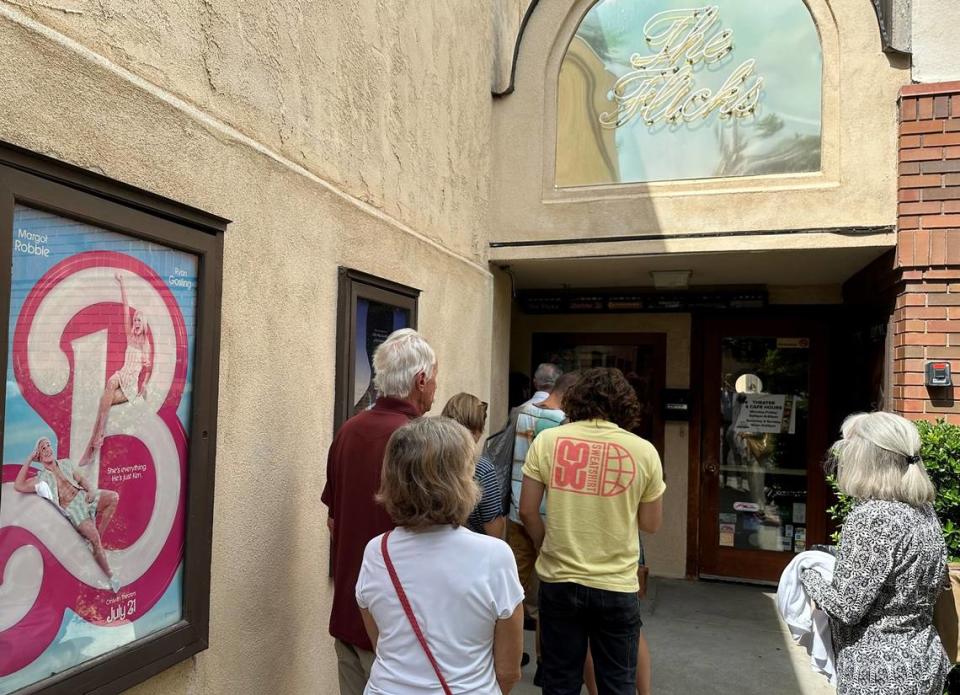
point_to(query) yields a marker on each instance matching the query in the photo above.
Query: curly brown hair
(602, 393)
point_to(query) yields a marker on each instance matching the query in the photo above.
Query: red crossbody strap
(402, 595)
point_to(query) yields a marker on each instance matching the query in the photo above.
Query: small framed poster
(368, 310)
(110, 347)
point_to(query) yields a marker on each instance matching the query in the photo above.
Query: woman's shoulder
(481, 545)
(874, 515)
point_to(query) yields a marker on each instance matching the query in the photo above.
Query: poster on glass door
(95, 442)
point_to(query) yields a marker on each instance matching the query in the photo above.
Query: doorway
(640, 356)
(764, 433)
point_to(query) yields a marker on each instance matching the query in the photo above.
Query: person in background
(405, 376)
(487, 517)
(604, 483)
(461, 587)
(544, 379)
(532, 419)
(891, 564)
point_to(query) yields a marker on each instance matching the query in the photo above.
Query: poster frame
(40, 182)
(354, 285)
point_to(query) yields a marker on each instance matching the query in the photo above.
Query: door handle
(711, 467)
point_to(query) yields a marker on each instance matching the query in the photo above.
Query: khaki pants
(526, 555)
(353, 667)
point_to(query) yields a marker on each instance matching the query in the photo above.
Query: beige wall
(855, 187)
(665, 550)
(350, 133)
(934, 40)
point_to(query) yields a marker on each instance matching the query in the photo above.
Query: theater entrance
(764, 427)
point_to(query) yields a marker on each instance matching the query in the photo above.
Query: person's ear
(420, 381)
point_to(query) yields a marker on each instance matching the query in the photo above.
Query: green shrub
(940, 451)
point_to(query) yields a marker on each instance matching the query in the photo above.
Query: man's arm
(85, 484)
(650, 515)
(22, 483)
(496, 527)
(531, 495)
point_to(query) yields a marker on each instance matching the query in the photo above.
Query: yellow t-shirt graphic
(596, 475)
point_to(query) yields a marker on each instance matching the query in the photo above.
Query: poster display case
(112, 303)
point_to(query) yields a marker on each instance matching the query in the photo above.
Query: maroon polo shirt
(353, 478)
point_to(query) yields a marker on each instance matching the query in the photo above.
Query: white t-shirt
(459, 583)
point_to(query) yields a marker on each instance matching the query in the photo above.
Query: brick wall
(926, 321)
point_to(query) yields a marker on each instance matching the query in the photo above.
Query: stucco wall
(665, 550)
(331, 134)
(934, 29)
(855, 187)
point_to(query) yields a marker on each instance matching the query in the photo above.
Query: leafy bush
(940, 451)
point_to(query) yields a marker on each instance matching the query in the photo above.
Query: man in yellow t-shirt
(602, 484)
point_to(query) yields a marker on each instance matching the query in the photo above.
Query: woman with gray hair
(891, 564)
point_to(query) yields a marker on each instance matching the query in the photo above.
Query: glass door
(764, 434)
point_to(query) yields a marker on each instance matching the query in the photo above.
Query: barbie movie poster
(95, 440)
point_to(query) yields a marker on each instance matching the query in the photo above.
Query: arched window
(659, 90)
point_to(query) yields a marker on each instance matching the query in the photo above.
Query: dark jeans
(571, 616)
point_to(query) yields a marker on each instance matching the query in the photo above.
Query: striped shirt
(488, 508)
(531, 421)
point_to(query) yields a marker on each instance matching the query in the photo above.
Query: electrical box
(938, 374)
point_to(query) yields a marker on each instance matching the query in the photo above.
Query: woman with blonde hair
(487, 517)
(891, 564)
(442, 605)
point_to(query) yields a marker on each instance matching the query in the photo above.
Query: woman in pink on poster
(88, 509)
(125, 385)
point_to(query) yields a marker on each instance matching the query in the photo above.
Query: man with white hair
(544, 379)
(405, 376)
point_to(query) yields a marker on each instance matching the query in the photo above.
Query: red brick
(911, 195)
(909, 141)
(909, 168)
(953, 339)
(929, 208)
(941, 409)
(941, 353)
(952, 418)
(937, 339)
(951, 206)
(943, 300)
(938, 247)
(935, 313)
(910, 365)
(939, 166)
(955, 105)
(928, 287)
(951, 180)
(940, 221)
(912, 379)
(925, 107)
(908, 275)
(924, 154)
(941, 107)
(937, 139)
(906, 352)
(952, 126)
(905, 244)
(940, 274)
(921, 256)
(942, 326)
(910, 406)
(915, 127)
(918, 392)
(953, 246)
(951, 152)
(915, 299)
(953, 312)
(908, 109)
(908, 222)
(950, 193)
(913, 326)
(929, 181)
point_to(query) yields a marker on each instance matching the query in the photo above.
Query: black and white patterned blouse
(891, 567)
